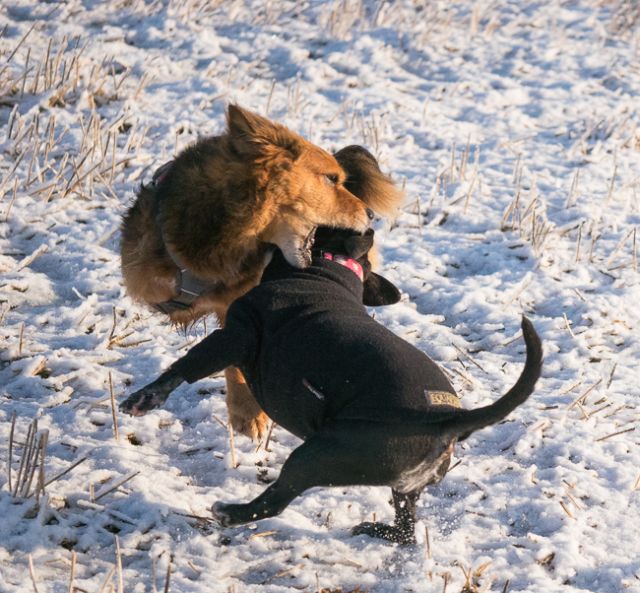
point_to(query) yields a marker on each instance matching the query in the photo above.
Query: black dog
(373, 409)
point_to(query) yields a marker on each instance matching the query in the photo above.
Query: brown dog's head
(378, 290)
(299, 186)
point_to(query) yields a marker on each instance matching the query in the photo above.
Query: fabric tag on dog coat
(442, 398)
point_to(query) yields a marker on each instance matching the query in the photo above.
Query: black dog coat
(311, 353)
(372, 408)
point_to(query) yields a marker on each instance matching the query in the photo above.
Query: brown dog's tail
(467, 421)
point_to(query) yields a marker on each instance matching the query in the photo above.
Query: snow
(513, 128)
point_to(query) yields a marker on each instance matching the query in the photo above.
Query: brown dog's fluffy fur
(223, 201)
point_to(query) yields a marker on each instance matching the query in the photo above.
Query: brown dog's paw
(245, 415)
(254, 426)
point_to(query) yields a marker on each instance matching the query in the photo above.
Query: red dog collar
(347, 262)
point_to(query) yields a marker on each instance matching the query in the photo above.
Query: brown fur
(367, 181)
(223, 201)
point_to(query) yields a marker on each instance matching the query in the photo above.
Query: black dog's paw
(218, 511)
(140, 402)
(232, 515)
(390, 533)
(151, 396)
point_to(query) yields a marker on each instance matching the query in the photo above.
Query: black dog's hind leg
(403, 529)
(338, 457)
(322, 460)
(271, 502)
(304, 469)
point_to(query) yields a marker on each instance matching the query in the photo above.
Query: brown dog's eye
(332, 178)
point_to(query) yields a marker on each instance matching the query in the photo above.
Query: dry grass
(340, 590)
(526, 214)
(625, 17)
(48, 162)
(30, 456)
(472, 578)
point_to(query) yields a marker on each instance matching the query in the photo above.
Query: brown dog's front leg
(245, 414)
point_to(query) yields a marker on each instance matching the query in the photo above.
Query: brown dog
(198, 237)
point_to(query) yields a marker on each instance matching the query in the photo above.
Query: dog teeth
(305, 251)
(306, 257)
(308, 242)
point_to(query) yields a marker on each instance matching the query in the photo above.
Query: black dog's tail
(467, 421)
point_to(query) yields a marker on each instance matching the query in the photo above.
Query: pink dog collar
(347, 262)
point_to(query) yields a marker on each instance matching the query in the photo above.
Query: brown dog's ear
(359, 245)
(253, 135)
(378, 291)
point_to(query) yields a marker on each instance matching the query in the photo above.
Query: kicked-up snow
(513, 128)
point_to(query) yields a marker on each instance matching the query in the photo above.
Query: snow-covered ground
(514, 127)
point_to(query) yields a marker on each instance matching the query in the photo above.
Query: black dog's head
(378, 290)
